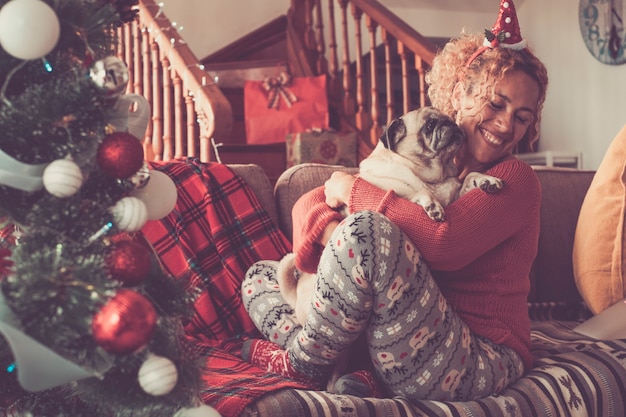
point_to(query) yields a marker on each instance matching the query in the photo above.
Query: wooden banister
(185, 100)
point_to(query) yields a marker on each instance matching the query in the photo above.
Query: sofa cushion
(598, 253)
(296, 181)
(551, 276)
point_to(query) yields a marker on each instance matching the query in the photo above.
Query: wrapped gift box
(276, 107)
(325, 147)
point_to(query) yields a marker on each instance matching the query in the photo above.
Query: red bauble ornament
(120, 155)
(128, 262)
(124, 324)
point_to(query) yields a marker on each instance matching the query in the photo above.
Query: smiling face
(495, 127)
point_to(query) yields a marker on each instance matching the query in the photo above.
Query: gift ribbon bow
(277, 88)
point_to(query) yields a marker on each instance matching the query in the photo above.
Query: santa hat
(505, 32)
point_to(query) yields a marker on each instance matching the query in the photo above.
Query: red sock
(359, 383)
(271, 357)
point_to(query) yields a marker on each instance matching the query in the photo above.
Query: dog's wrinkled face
(425, 132)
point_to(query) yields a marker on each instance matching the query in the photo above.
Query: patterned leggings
(372, 279)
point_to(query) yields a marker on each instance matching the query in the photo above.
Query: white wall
(209, 25)
(442, 24)
(586, 104)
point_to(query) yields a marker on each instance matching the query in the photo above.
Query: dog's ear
(394, 132)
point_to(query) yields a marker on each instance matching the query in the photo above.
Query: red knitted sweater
(480, 255)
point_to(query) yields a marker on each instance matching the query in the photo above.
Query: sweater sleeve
(475, 223)
(310, 216)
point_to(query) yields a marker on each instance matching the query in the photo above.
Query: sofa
(573, 374)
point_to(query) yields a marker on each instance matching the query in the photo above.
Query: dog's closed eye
(429, 126)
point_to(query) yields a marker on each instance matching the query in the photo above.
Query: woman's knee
(259, 278)
(374, 233)
(366, 219)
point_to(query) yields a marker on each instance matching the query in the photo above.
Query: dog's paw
(487, 183)
(435, 211)
(490, 184)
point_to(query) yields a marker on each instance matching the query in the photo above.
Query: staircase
(198, 104)
(257, 55)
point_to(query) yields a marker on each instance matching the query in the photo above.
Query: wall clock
(602, 27)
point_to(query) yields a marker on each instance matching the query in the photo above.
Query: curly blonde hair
(480, 76)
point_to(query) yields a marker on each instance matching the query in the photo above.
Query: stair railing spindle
(405, 77)
(388, 87)
(157, 99)
(191, 127)
(333, 62)
(179, 124)
(322, 63)
(137, 86)
(147, 88)
(421, 72)
(348, 99)
(168, 146)
(372, 28)
(362, 116)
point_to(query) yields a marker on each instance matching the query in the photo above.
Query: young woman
(442, 305)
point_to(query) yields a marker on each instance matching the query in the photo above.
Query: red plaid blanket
(216, 231)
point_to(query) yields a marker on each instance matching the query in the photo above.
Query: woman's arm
(313, 223)
(474, 224)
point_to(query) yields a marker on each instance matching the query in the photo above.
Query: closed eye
(496, 106)
(430, 126)
(523, 119)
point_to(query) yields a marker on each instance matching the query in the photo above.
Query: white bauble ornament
(159, 195)
(62, 178)
(157, 375)
(109, 75)
(130, 214)
(29, 29)
(202, 411)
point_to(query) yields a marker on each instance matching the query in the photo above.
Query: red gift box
(326, 147)
(275, 107)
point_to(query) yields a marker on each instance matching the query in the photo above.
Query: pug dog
(415, 158)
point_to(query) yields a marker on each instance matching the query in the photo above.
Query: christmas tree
(89, 322)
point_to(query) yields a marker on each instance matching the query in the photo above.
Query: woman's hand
(337, 189)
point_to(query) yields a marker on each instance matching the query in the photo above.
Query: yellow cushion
(599, 251)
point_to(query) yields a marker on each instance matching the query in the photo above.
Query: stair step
(234, 74)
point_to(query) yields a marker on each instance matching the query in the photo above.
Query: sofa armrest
(257, 179)
(296, 181)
